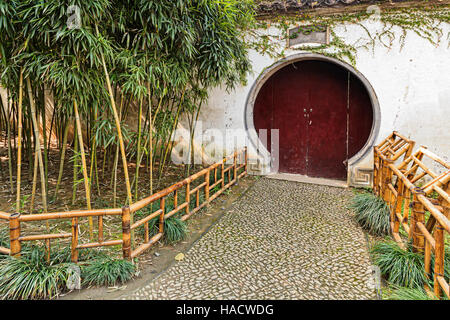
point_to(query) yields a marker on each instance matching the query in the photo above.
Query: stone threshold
(306, 179)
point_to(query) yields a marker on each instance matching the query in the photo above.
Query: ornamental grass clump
(31, 276)
(372, 213)
(401, 293)
(107, 272)
(4, 242)
(403, 268)
(175, 229)
(61, 254)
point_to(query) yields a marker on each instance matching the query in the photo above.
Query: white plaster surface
(412, 84)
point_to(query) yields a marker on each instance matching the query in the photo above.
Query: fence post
(387, 179)
(74, 253)
(126, 232)
(376, 168)
(380, 177)
(438, 258)
(235, 167)
(418, 215)
(207, 185)
(398, 206)
(14, 234)
(440, 246)
(162, 206)
(245, 159)
(222, 167)
(188, 197)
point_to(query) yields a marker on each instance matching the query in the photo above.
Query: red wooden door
(327, 126)
(323, 114)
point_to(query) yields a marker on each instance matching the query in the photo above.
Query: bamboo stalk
(75, 169)
(150, 133)
(398, 205)
(162, 206)
(34, 183)
(44, 144)
(126, 232)
(387, 176)
(8, 129)
(84, 167)
(19, 141)
(74, 244)
(116, 160)
(38, 146)
(63, 155)
(14, 234)
(170, 145)
(98, 244)
(138, 162)
(188, 197)
(439, 255)
(119, 130)
(45, 236)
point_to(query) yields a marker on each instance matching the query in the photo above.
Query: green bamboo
(38, 146)
(19, 141)
(84, 168)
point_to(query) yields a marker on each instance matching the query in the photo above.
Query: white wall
(412, 85)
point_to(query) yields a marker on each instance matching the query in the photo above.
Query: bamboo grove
(104, 64)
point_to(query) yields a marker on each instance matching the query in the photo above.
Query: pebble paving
(281, 240)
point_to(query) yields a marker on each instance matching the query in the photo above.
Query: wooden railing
(407, 188)
(232, 167)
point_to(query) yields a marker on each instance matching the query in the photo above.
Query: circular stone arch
(274, 68)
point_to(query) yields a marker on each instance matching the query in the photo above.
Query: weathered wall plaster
(412, 86)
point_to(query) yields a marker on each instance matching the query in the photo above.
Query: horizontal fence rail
(418, 200)
(187, 197)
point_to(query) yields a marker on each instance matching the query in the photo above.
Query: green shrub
(31, 277)
(372, 213)
(107, 272)
(401, 293)
(401, 267)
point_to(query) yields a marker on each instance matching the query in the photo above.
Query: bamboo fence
(408, 187)
(199, 190)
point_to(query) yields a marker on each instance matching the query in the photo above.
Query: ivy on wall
(425, 22)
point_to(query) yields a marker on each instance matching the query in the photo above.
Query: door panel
(360, 116)
(263, 110)
(327, 145)
(289, 101)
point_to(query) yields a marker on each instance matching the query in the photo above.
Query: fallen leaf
(179, 257)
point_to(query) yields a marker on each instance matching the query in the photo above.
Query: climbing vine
(427, 23)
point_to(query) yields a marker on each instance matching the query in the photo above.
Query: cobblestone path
(282, 240)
